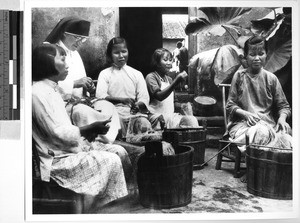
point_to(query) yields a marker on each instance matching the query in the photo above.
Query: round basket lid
(205, 100)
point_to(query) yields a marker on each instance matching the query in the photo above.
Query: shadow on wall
(104, 26)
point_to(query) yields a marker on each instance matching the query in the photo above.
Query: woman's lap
(95, 173)
(122, 153)
(262, 134)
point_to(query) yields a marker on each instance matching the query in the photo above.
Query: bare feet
(243, 179)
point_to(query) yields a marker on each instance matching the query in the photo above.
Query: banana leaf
(268, 25)
(278, 55)
(217, 64)
(276, 28)
(226, 63)
(216, 18)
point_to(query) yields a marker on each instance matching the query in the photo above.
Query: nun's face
(73, 41)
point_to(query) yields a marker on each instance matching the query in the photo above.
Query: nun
(71, 33)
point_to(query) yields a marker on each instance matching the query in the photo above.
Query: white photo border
(29, 4)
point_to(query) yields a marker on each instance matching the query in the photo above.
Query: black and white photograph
(161, 110)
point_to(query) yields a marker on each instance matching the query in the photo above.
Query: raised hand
(182, 75)
(86, 83)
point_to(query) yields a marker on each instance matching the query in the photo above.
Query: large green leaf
(197, 25)
(217, 64)
(268, 25)
(215, 18)
(275, 27)
(278, 55)
(224, 15)
(226, 63)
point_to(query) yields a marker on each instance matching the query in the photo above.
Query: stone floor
(213, 191)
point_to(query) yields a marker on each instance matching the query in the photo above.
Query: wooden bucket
(195, 137)
(204, 106)
(269, 172)
(165, 181)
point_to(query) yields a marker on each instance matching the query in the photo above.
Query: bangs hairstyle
(43, 65)
(114, 41)
(254, 40)
(156, 57)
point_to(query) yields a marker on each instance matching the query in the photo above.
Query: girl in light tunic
(66, 156)
(121, 84)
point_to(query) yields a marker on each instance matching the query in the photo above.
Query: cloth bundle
(188, 120)
(263, 134)
(139, 130)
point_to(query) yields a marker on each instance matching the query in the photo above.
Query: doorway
(142, 27)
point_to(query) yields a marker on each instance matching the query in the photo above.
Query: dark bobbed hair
(156, 57)
(43, 65)
(253, 41)
(114, 41)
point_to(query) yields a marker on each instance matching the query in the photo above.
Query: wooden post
(192, 12)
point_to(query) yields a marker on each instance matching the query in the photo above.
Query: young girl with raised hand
(161, 90)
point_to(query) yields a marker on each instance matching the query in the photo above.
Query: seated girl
(161, 90)
(122, 85)
(256, 103)
(66, 155)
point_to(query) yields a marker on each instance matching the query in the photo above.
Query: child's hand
(134, 109)
(85, 82)
(251, 118)
(162, 121)
(141, 107)
(182, 75)
(128, 101)
(102, 127)
(282, 125)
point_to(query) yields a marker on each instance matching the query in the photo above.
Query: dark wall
(142, 28)
(104, 26)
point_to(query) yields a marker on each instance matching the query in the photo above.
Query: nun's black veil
(71, 24)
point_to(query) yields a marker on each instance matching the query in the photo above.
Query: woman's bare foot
(243, 179)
